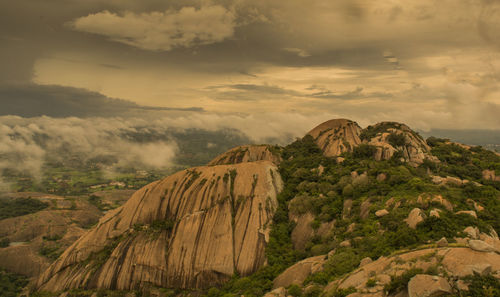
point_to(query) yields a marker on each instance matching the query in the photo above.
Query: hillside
(361, 212)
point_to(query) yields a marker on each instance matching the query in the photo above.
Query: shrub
(399, 283)
(396, 139)
(294, 290)
(364, 151)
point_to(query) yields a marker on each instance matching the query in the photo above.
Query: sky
(265, 63)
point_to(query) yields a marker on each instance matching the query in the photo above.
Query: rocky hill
(33, 241)
(193, 229)
(335, 137)
(344, 211)
(388, 140)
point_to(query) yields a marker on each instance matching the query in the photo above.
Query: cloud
(26, 144)
(31, 100)
(299, 52)
(162, 31)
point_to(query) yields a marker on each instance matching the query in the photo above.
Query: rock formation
(392, 137)
(52, 229)
(193, 229)
(297, 273)
(455, 262)
(247, 153)
(336, 136)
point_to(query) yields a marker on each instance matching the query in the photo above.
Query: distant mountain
(488, 138)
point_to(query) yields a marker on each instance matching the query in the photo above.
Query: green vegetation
(51, 251)
(19, 207)
(396, 140)
(324, 195)
(481, 286)
(399, 283)
(372, 131)
(11, 284)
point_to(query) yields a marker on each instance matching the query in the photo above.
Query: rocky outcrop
(392, 137)
(416, 216)
(193, 229)
(424, 285)
(336, 136)
(297, 273)
(452, 262)
(32, 236)
(490, 175)
(247, 153)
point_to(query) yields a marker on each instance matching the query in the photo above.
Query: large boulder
(416, 216)
(193, 229)
(297, 273)
(423, 285)
(336, 136)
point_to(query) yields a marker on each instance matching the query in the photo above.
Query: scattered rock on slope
(193, 229)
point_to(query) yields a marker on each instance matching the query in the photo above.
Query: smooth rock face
(481, 246)
(246, 153)
(220, 218)
(423, 285)
(336, 136)
(297, 273)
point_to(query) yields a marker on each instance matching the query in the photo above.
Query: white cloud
(162, 31)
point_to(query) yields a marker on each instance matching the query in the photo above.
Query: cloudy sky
(298, 62)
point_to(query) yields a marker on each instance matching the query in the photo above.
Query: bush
(399, 283)
(396, 139)
(364, 151)
(479, 286)
(294, 290)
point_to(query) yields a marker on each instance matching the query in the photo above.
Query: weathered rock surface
(414, 149)
(424, 285)
(456, 262)
(416, 216)
(193, 229)
(303, 230)
(246, 153)
(481, 246)
(297, 273)
(336, 136)
(490, 175)
(56, 227)
(279, 292)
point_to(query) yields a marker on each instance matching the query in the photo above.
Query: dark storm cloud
(30, 100)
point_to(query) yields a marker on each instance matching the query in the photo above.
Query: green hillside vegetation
(324, 195)
(19, 207)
